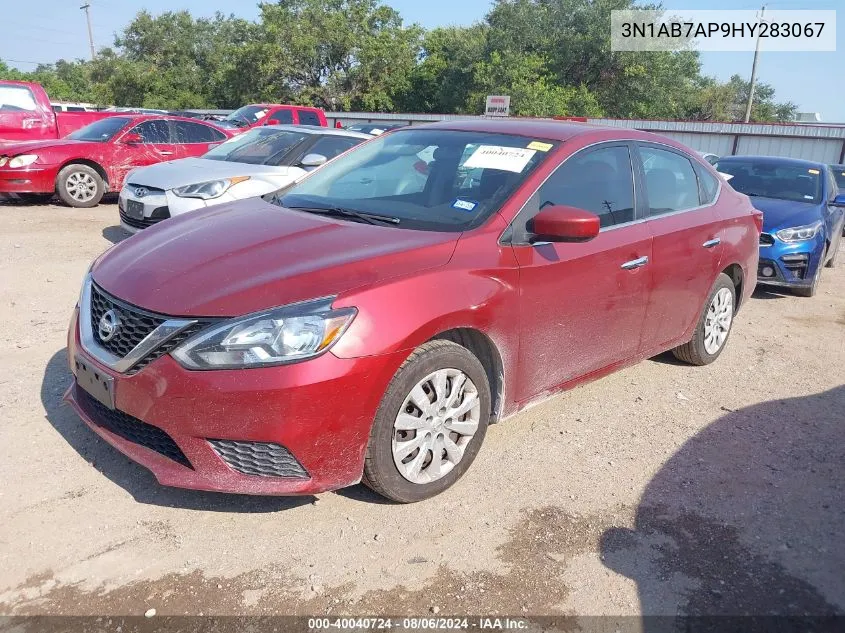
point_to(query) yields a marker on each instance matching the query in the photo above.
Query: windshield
(246, 116)
(100, 131)
(262, 146)
(435, 180)
(839, 175)
(785, 181)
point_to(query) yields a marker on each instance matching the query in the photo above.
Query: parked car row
(370, 319)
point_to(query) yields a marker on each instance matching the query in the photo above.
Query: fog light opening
(768, 271)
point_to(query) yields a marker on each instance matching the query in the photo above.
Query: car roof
(140, 118)
(317, 129)
(283, 105)
(776, 160)
(549, 129)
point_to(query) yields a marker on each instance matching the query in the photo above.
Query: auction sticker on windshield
(497, 157)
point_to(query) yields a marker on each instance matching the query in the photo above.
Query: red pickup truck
(257, 114)
(27, 115)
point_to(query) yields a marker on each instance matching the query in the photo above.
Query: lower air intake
(264, 459)
(131, 428)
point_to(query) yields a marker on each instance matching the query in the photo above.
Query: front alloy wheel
(430, 424)
(437, 420)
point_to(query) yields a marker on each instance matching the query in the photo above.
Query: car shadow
(770, 292)
(115, 234)
(135, 479)
(747, 518)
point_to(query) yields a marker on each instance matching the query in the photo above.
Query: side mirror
(273, 122)
(313, 160)
(131, 139)
(839, 201)
(559, 223)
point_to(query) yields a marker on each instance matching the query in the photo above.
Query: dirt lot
(660, 489)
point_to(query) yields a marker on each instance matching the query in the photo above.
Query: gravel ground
(661, 489)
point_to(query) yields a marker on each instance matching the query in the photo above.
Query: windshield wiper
(369, 218)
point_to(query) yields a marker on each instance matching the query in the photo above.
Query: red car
(83, 166)
(354, 327)
(250, 116)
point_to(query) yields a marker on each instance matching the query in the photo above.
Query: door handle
(635, 263)
(711, 243)
(166, 153)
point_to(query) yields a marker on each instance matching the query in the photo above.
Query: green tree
(444, 78)
(338, 54)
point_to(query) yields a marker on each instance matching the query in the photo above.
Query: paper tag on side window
(497, 157)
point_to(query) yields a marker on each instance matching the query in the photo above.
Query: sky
(56, 29)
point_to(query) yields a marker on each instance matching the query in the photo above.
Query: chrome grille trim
(160, 335)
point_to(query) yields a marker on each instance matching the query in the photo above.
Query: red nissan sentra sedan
(95, 159)
(370, 321)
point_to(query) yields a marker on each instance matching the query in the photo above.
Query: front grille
(134, 327)
(259, 458)
(766, 239)
(130, 428)
(796, 264)
(159, 214)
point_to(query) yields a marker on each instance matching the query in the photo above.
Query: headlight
(208, 190)
(800, 233)
(273, 337)
(23, 160)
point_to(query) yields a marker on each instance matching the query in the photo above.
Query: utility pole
(85, 8)
(754, 70)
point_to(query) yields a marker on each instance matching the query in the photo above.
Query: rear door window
(331, 146)
(188, 132)
(670, 180)
(306, 117)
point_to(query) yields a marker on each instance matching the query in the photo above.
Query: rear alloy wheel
(713, 327)
(430, 425)
(80, 186)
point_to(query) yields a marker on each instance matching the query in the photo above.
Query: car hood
(250, 255)
(779, 214)
(22, 147)
(189, 171)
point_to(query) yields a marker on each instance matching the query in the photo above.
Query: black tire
(36, 198)
(81, 171)
(380, 471)
(832, 261)
(694, 352)
(811, 291)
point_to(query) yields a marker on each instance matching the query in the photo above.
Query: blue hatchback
(803, 217)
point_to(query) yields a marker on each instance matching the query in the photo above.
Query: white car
(255, 163)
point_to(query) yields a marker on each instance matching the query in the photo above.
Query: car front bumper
(33, 179)
(138, 213)
(790, 264)
(319, 412)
